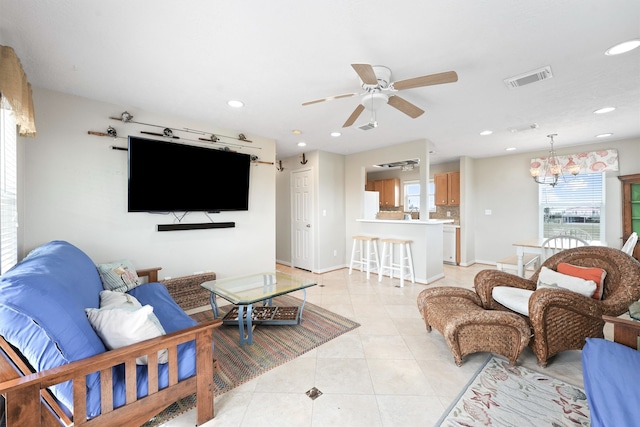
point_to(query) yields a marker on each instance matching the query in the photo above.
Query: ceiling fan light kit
(378, 91)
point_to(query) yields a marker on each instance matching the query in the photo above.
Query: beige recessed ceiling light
(604, 135)
(296, 132)
(335, 134)
(604, 110)
(623, 47)
(486, 132)
(235, 104)
(302, 144)
(510, 149)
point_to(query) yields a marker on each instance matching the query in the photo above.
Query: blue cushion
(172, 318)
(42, 302)
(611, 374)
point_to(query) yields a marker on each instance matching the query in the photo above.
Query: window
(412, 195)
(573, 207)
(8, 191)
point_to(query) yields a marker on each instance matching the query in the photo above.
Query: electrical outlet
(448, 213)
(335, 252)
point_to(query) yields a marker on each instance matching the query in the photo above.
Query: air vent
(523, 128)
(529, 77)
(368, 126)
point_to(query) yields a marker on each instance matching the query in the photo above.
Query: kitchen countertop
(408, 221)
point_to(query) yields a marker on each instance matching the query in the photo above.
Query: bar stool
(405, 265)
(364, 258)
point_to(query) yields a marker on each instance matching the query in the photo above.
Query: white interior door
(302, 219)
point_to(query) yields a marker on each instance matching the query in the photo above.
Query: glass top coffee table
(262, 287)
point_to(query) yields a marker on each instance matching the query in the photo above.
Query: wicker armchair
(562, 320)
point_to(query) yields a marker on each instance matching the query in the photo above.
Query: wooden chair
(630, 244)
(558, 243)
(560, 319)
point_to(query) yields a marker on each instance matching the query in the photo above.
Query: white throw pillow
(118, 327)
(515, 299)
(552, 279)
(114, 299)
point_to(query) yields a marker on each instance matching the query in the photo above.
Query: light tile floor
(387, 372)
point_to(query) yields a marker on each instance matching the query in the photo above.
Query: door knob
(308, 225)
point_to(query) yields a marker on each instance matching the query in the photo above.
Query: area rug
(272, 346)
(503, 395)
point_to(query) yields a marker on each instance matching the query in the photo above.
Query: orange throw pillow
(587, 273)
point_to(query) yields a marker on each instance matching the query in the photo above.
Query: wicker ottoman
(468, 328)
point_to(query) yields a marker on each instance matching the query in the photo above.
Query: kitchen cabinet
(447, 188)
(389, 190)
(631, 208)
(451, 244)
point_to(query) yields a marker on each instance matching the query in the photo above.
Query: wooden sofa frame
(28, 402)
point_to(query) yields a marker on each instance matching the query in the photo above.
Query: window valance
(15, 91)
(588, 162)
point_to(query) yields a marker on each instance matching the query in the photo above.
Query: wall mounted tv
(170, 176)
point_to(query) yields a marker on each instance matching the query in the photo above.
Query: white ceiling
(187, 58)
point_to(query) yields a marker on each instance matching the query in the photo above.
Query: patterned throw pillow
(119, 276)
(587, 273)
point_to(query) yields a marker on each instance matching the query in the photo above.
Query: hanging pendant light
(551, 169)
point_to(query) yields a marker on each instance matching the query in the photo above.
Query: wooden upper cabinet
(631, 208)
(447, 188)
(391, 192)
(454, 188)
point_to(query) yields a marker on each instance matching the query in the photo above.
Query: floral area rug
(503, 395)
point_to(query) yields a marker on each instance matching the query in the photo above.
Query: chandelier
(550, 170)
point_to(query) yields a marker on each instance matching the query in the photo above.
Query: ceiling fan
(375, 81)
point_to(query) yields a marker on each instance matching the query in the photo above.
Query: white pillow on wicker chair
(552, 279)
(515, 299)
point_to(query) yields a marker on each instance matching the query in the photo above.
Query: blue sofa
(42, 315)
(611, 375)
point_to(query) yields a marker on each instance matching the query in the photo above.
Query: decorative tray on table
(272, 315)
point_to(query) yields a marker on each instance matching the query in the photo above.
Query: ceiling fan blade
(366, 73)
(330, 98)
(354, 116)
(405, 106)
(431, 79)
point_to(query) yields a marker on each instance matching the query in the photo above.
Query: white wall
(328, 218)
(330, 231)
(74, 188)
(503, 185)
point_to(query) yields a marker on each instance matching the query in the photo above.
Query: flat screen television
(171, 176)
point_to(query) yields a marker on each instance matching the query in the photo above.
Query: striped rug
(272, 346)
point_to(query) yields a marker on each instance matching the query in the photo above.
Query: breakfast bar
(426, 246)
